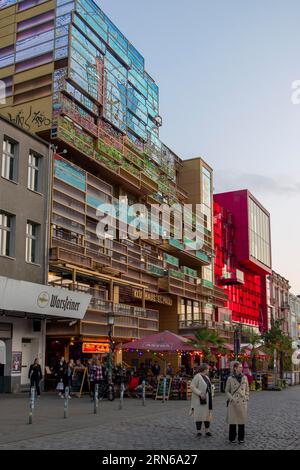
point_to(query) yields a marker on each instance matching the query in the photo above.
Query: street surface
(274, 423)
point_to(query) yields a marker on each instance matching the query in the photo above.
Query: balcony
(129, 320)
(225, 330)
(234, 278)
(62, 255)
(65, 246)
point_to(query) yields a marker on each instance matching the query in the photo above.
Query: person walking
(202, 400)
(35, 375)
(69, 375)
(96, 377)
(61, 375)
(237, 391)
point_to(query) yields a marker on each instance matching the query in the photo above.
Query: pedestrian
(170, 370)
(61, 375)
(35, 375)
(143, 372)
(69, 375)
(237, 391)
(155, 369)
(96, 377)
(202, 400)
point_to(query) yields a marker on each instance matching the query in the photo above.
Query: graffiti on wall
(30, 118)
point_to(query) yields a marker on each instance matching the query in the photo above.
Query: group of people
(237, 393)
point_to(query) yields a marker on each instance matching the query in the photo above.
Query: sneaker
(199, 434)
(208, 434)
(233, 442)
(69, 397)
(241, 442)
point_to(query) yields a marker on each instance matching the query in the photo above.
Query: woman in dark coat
(61, 374)
(35, 375)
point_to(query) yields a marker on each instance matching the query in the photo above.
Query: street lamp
(237, 342)
(110, 321)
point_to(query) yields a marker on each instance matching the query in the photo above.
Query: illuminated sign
(93, 348)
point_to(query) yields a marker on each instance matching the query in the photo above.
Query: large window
(6, 234)
(34, 171)
(9, 159)
(260, 243)
(189, 312)
(32, 233)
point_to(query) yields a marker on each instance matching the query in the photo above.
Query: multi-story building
(280, 300)
(73, 78)
(243, 256)
(294, 303)
(26, 301)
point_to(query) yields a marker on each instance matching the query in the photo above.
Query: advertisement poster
(16, 362)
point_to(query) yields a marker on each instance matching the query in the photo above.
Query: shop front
(25, 309)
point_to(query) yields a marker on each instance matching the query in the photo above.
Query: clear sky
(225, 69)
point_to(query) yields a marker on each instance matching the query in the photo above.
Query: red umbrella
(161, 342)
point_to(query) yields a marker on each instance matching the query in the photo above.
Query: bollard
(96, 398)
(31, 404)
(122, 389)
(66, 403)
(144, 393)
(164, 389)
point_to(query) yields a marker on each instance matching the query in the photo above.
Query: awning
(39, 299)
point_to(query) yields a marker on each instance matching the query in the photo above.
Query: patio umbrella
(165, 342)
(161, 342)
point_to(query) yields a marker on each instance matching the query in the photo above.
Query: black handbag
(203, 401)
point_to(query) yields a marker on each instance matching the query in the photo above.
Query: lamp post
(237, 342)
(110, 321)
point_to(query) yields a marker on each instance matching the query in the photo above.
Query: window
(6, 234)
(9, 159)
(32, 242)
(34, 167)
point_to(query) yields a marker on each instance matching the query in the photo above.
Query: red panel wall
(246, 301)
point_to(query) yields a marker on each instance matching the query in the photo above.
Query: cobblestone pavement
(274, 423)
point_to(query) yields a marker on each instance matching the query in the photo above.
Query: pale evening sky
(225, 71)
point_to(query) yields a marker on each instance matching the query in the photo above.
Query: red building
(243, 255)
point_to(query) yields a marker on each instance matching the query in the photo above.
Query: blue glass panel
(90, 34)
(70, 174)
(35, 51)
(37, 39)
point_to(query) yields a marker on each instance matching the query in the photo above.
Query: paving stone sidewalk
(274, 423)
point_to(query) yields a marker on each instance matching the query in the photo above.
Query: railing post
(144, 393)
(96, 398)
(66, 403)
(122, 389)
(164, 389)
(31, 404)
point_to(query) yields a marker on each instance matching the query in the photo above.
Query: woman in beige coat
(237, 391)
(201, 405)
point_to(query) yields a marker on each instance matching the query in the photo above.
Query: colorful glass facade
(245, 286)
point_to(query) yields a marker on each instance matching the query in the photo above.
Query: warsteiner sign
(153, 297)
(21, 296)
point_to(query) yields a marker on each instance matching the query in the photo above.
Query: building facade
(280, 301)
(243, 256)
(24, 189)
(26, 301)
(294, 333)
(74, 79)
